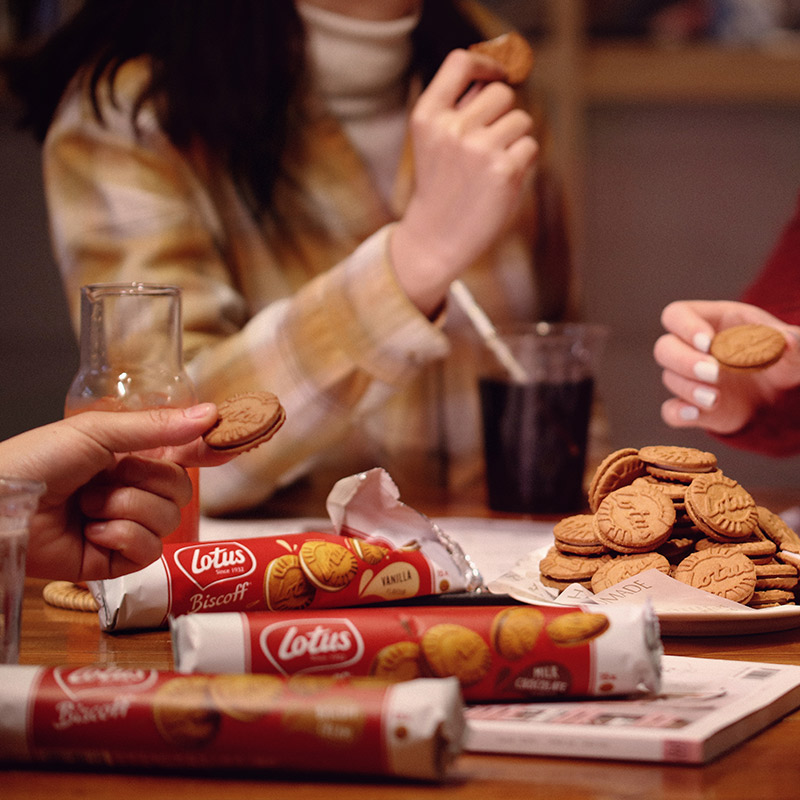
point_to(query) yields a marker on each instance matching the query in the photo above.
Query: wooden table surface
(766, 765)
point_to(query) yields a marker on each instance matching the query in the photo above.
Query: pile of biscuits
(671, 508)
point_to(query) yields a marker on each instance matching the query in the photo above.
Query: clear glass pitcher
(131, 358)
(18, 501)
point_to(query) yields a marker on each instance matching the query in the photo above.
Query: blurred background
(677, 130)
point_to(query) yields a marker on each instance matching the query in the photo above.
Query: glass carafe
(131, 359)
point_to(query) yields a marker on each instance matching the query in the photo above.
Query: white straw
(487, 331)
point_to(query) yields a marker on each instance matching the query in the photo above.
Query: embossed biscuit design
(576, 534)
(245, 421)
(723, 571)
(622, 568)
(568, 568)
(399, 661)
(329, 566)
(455, 650)
(680, 459)
(748, 346)
(616, 470)
(515, 631)
(635, 519)
(775, 529)
(576, 628)
(371, 553)
(286, 586)
(721, 508)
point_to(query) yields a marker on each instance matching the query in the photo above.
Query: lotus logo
(313, 645)
(89, 680)
(214, 562)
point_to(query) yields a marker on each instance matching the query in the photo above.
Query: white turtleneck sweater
(360, 69)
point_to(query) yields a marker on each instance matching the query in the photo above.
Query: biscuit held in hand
(512, 52)
(748, 346)
(245, 421)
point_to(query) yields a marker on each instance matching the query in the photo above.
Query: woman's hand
(116, 482)
(705, 396)
(473, 154)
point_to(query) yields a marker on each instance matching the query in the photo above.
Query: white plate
(716, 622)
(730, 623)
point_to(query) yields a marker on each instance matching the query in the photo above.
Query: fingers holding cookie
(512, 52)
(245, 421)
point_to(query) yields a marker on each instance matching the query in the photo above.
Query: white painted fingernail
(704, 397)
(689, 413)
(706, 371)
(702, 342)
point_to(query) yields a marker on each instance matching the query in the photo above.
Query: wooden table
(764, 766)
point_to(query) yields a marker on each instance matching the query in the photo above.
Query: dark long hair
(224, 72)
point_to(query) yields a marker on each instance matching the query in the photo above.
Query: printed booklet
(706, 706)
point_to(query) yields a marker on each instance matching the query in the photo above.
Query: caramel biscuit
(671, 475)
(184, 712)
(451, 649)
(774, 528)
(776, 576)
(622, 568)
(576, 628)
(245, 421)
(748, 346)
(754, 547)
(399, 661)
(616, 470)
(721, 508)
(286, 586)
(513, 52)
(678, 459)
(559, 586)
(676, 491)
(723, 571)
(516, 630)
(66, 594)
(770, 597)
(329, 566)
(676, 547)
(245, 697)
(576, 534)
(568, 569)
(788, 557)
(371, 553)
(635, 519)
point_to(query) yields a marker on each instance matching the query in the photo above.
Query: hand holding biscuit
(115, 484)
(719, 371)
(473, 154)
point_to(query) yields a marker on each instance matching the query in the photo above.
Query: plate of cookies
(665, 522)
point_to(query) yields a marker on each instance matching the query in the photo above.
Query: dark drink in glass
(535, 443)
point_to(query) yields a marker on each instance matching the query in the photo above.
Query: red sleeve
(777, 287)
(775, 430)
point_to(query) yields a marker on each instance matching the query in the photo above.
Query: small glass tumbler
(18, 500)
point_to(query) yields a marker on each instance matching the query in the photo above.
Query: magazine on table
(706, 706)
